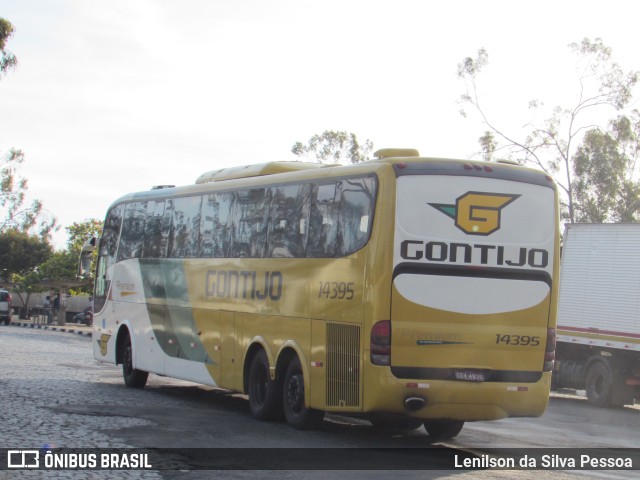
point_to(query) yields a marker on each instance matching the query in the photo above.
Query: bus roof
(404, 161)
(257, 170)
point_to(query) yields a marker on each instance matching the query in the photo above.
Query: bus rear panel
(472, 296)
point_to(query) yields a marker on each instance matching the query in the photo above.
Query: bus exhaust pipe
(413, 404)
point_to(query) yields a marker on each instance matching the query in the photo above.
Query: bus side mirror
(86, 256)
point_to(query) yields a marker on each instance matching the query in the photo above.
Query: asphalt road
(54, 393)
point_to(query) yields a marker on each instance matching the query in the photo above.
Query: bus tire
(443, 429)
(132, 376)
(599, 384)
(293, 394)
(264, 398)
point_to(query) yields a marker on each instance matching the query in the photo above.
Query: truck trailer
(598, 328)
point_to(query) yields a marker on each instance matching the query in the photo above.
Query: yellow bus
(406, 290)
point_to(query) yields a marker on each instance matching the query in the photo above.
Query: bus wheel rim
(295, 393)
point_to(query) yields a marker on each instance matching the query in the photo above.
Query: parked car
(5, 306)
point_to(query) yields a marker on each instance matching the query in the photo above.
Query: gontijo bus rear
(406, 290)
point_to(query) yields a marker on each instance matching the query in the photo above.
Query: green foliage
(21, 253)
(614, 85)
(79, 234)
(59, 266)
(469, 70)
(56, 266)
(7, 59)
(334, 147)
(488, 145)
(13, 188)
(607, 185)
(552, 144)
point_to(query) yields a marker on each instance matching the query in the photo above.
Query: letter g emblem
(477, 213)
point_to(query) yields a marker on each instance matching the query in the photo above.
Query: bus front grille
(343, 365)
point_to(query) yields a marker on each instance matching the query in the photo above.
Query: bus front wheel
(264, 399)
(297, 415)
(443, 429)
(132, 376)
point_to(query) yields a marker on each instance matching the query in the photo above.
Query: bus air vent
(343, 365)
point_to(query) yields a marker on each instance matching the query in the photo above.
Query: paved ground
(38, 377)
(55, 393)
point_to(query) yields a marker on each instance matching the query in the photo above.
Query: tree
(334, 147)
(20, 256)
(80, 232)
(13, 187)
(552, 144)
(64, 265)
(21, 253)
(605, 169)
(7, 59)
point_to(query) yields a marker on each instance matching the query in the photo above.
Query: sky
(115, 96)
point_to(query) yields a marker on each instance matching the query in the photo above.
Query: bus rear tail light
(381, 343)
(550, 351)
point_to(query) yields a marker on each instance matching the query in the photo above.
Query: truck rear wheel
(599, 383)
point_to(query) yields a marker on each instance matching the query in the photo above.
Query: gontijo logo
(477, 213)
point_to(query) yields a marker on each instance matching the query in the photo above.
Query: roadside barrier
(70, 328)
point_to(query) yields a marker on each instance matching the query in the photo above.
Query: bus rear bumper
(458, 400)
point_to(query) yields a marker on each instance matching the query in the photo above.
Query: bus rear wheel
(295, 412)
(443, 429)
(264, 398)
(132, 376)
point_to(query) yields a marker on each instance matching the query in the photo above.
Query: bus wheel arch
(123, 332)
(257, 344)
(124, 355)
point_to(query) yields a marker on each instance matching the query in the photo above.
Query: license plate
(469, 376)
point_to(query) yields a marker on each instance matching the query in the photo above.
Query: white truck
(598, 331)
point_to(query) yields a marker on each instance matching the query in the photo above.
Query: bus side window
(356, 213)
(155, 245)
(132, 238)
(249, 219)
(107, 255)
(215, 229)
(185, 227)
(289, 217)
(323, 222)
